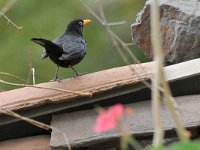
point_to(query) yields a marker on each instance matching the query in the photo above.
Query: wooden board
(103, 85)
(78, 125)
(182, 70)
(40, 142)
(96, 83)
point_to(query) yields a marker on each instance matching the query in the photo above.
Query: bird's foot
(56, 78)
(79, 74)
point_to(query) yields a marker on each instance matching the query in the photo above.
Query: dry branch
(14, 76)
(118, 43)
(48, 88)
(5, 9)
(35, 123)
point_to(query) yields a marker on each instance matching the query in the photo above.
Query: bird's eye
(81, 23)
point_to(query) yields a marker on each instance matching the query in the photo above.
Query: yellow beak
(86, 21)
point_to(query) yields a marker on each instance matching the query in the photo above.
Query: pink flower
(107, 120)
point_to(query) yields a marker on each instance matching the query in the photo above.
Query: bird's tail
(49, 46)
(42, 42)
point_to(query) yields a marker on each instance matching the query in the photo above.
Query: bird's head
(76, 26)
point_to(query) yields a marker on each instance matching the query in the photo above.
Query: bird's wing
(73, 49)
(58, 41)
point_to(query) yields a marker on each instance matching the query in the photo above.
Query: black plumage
(68, 49)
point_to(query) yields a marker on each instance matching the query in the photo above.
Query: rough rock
(180, 30)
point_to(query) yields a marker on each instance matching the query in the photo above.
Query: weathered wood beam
(96, 83)
(103, 85)
(34, 142)
(78, 125)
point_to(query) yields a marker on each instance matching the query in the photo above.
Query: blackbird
(68, 49)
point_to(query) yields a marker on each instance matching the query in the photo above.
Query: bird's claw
(79, 74)
(58, 79)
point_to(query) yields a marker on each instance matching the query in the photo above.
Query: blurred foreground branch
(158, 133)
(159, 83)
(159, 80)
(8, 5)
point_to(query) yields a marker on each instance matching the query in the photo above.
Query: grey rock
(180, 30)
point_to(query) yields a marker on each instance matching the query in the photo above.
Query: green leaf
(157, 148)
(190, 145)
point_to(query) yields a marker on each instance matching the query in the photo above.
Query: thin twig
(48, 88)
(10, 21)
(117, 42)
(102, 19)
(115, 39)
(8, 6)
(122, 43)
(116, 23)
(130, 139)
(92, 12)
(112, 34)
(5, 9)
(30, 65)
(128, 44)
(65, 137)
(35, 123)
(171, 104)
(105, 23)
(31, 121)
(120, 51)
(33, 74)
(14, 76)
(99, 19)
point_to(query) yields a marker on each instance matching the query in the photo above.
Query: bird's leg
(56, 78)
(76, 72)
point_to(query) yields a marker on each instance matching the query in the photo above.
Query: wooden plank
(103, 85)
(182, 70)
(78, 125)
(95, 83)
(40, 142)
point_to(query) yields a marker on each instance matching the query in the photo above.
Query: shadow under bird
(68, 49)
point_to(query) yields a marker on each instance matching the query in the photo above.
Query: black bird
(68, 49)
